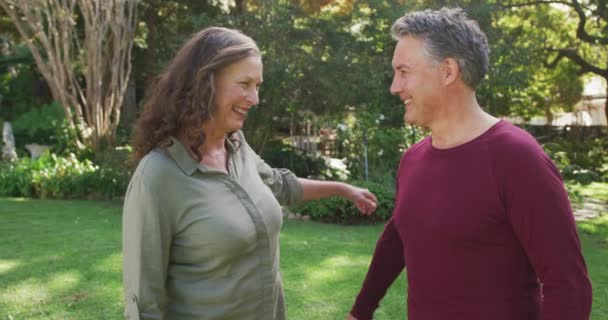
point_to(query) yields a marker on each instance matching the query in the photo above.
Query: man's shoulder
(511, 147)
(509, 139)
(418, 146)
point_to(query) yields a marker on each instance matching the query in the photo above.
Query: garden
(325, 113)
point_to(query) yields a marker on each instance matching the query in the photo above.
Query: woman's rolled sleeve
(284, 184)
(146, 243)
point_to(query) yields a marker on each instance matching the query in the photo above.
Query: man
(481, 214)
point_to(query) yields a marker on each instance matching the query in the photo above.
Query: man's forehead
(408, 52)
(400, 59)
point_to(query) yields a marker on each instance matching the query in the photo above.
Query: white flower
(342, 127)
(381, 152)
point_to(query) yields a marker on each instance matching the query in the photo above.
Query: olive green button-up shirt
(202, 244)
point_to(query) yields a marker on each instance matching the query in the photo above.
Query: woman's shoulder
(156, 167)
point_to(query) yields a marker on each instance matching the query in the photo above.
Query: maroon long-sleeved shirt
(481, 226)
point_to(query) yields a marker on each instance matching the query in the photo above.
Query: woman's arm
(364, 200)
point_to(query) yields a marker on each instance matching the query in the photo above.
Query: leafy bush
(61, 177)
(339, 210)
(280, 155)
(48, 125)
(21, 88)
(575, 196)
(385, 144)
(584, 162)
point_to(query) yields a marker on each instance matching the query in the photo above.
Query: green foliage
(16, 91)
(38, 125)
(61, 177)
(337, 59)
(48, 125)
(584, 162)
(520, 83)
(314, 56)
(280, 155)
(575, 196)
(342, 211)
(385, 144)
(21, 85)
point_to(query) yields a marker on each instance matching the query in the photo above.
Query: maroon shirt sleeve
(539, 211)
(387, 263)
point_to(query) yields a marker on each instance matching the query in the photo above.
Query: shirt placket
(262, 236)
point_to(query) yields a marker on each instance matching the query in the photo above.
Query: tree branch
(581, 32)
(576, 58)
(510, 4)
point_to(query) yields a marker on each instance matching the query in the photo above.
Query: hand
(364, 200)
(350, 317)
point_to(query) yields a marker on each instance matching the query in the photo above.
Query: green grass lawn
(62, 260)
(596, 190)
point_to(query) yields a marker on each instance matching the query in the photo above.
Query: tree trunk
(606, 102)
(130, 106)
(86, 71)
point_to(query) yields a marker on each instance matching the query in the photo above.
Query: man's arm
(387, 263)
(541, 216)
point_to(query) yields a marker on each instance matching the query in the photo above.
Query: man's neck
(461, 121)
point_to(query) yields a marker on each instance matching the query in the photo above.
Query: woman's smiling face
(236, 92)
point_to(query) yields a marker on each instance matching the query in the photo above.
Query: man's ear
(450, 71)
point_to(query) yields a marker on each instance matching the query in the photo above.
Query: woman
(202, 217)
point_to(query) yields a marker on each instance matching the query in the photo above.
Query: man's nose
(395, 86)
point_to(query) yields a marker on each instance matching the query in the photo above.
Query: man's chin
(408, 119)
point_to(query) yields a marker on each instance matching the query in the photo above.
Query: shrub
(339, 210)
(584, 162)
(38, 124)
(61, 177)
(280, 155)
(385, 144)
(48, 125)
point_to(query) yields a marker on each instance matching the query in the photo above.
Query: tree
(588, 48)
(83, 50)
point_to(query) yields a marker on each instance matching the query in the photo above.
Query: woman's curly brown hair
(181, 99)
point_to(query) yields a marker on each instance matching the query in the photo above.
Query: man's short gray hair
(448, 33)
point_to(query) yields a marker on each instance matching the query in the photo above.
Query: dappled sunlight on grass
(333, 268)
(596, 190)
(8, 265)
(68, 266)
(597, 227)
(69, 261)
(64, 280)
(111, 263)
(323, 267)
(25, 293)
(15, 199)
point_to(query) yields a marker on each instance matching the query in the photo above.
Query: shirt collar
(178, 152)
(187, 164)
